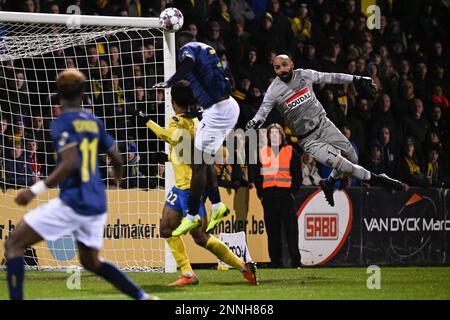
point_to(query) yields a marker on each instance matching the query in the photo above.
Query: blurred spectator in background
(435, 169)
(310, 173)
(240, 10)
(439, 99)
(18, 171)
(301, 23)
(382, 116)
(250, 68)
(438, 124)
(389, 151)
(373, 161)
(410, 170)
(415, 124)
(32, 159)
(214, 37)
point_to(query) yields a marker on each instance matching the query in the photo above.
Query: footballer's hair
(182, 94)
(70, 84)
(186, 35)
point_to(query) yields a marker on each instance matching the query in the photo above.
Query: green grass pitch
(275, 284)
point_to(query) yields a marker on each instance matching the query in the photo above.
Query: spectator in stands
(251, 69)
(439, 99)
(373, 160)
(332, 108)
(435, 169)
(32, 159)
(360, 120)
(310, 173)
(230, 176)
(406, 101)
(238, 44)
(221, 14)
(53, 7)
(415, 124)
(18, 171)
(4, 149)
(310, 60)
(29, 6)
(382, 116)
(277, 186)
(192, 28)
(389, 151)
(389, 78)
(410, 170)
(421, 81)
(214, 37)
(114, 59)
(301, 23)
(266, 37)
(240, 10)
(437, 123)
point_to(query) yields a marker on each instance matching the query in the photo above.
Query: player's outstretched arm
(69, 163)
(171, 135)
(266, 106)
(183, 69)
(117, 162)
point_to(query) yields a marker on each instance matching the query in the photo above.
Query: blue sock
(193, 204)
(16, 271)
(214, 195)
(110, 273)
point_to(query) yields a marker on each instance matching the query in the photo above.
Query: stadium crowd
(404, 132)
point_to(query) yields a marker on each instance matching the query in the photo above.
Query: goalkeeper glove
(161, 85)
(139, 114)
(254, 124)
(366, 84)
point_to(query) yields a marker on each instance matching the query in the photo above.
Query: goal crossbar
(108, 21)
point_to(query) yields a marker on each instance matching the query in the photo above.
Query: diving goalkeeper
(293, 96)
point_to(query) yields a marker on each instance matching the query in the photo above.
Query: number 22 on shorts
(171, 198)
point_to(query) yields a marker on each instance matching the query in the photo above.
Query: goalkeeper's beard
(286, 76)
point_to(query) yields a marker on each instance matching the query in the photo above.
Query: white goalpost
(122, 58)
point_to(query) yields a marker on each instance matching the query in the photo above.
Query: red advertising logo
(321, 226)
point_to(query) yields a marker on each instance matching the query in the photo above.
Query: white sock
(190, 217)
(216, 206)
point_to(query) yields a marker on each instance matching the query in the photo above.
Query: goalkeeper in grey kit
(292, 94)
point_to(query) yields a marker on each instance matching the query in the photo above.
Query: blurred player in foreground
(180, 135)
(200, 65)
(293, 96)
(81, 207)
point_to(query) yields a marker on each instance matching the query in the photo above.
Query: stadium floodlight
(122, 57)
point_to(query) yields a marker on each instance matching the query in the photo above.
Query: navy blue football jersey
(207, 79)
(83, 190)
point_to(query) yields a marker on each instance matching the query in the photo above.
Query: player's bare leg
(20, 239)
(170, 220)
(221, 251)
(90, 261)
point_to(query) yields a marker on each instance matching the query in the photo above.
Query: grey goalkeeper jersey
(296, 100)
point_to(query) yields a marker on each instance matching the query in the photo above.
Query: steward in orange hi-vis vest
(276, 169)
(277, 182)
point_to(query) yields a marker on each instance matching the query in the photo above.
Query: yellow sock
(221, 251)
(178, 249)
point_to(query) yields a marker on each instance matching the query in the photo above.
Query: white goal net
(122, 58)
